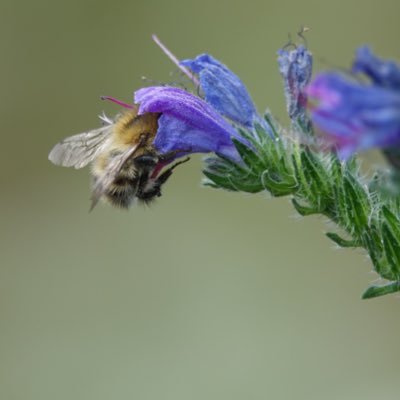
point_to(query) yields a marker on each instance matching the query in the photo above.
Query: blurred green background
(207, 294)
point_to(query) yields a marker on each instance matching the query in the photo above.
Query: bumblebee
(124, 162)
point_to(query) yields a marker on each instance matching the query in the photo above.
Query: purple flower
(381, 72)
(187, 124)
(355, 115)
(295, 67)
(224, 90)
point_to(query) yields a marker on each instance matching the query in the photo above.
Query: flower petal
(187, 122)
(223, 89)
(381, 72)
(357, 116)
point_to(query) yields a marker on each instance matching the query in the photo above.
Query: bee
(125, 165)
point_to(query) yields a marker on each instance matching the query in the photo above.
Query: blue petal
(295, 67)
(223, 90)
(174, 134)
(381, 72)
(187, 123)
(357, 116)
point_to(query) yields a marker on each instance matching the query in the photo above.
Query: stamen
(175, 60)
(119, 102)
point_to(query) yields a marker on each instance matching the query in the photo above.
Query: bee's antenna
(119, 102)
(152, 81)
(180, 79)
(171, 83)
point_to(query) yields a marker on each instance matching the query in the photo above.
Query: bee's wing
(113, 170)
(79, 150)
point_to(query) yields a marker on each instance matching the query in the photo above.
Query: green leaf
(392, 249)
(393, 222)
(249, 157)
(304, 210)
(304, 125)
(315, 170)
(247, 185)
(304, 188)
(356, 204)
(210, 184)
(275, 187)
(335, 168)
(220, 181)
(342, 242)
(270, 120)
(376, 291)
(226, 163)
(373, 243)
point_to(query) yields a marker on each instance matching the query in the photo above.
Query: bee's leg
(167, 158)
(147, 194)
(162, 178)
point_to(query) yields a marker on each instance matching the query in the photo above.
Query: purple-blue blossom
(358, 115)
(224, 90)
(295, 67)
(187, 123)
(384, 73)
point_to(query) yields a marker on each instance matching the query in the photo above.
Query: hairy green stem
(319, 183)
